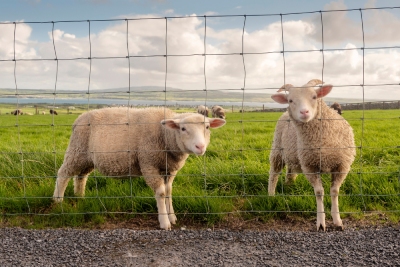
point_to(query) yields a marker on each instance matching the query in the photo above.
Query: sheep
(336, 106)
(52, 111)
(43, 112)
(218, 112)
(203, 110)
(124, 142)
(17, 112)
(312, 138)
(28, 113)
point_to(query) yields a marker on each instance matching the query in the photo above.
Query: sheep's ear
(324, 90)
(171, 124)
(216, 123)
(280, 98)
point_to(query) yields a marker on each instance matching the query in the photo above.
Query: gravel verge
(127, 247)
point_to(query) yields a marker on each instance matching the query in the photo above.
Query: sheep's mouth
(305, 118)
(201, 153)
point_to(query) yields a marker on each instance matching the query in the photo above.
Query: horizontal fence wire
(240, 183)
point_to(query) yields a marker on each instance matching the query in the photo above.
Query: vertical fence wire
(54, 98)
(243, 166)
(17, 124)
(128, 115)
(53, 107)
(204, 174)
(167, 175)
(363, 112)
(289, 122)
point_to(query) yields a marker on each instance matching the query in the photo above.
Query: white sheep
(124, 142)
(312, 138)
(203, 110)
(218, 112)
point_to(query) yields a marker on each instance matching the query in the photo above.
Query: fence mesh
(236, 61)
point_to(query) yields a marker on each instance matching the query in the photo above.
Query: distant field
(231, 178)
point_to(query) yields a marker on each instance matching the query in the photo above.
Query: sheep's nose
(304, 111)
(200, 147)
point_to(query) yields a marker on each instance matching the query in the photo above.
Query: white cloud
(182, 39)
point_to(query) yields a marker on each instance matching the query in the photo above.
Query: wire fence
(236, 61)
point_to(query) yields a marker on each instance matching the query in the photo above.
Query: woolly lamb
(218, 112)
(203, 110)
(123, 142)
(312, 138)
(336, 106)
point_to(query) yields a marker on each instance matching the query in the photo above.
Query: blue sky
(55, 10)
(344, 64)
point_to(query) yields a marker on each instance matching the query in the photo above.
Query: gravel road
(126, 247)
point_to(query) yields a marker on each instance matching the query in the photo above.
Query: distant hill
(157, 93)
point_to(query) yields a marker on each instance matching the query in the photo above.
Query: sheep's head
(303, 101)
(193, 132)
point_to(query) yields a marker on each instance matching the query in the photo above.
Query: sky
(197, 45)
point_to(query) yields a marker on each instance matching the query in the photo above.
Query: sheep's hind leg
(168, 200)
(276, 166)
(80, 182)
(156, 182)
(290, 175)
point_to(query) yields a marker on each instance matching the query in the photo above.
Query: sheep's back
(117, 137)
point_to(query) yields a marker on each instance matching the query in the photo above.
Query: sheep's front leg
(63, 177)
(316, 182)
(168, 200)
(156, 181)
(337, 180)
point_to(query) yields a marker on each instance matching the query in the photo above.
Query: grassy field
(232, 178)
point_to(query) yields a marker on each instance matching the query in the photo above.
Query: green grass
(231, 178)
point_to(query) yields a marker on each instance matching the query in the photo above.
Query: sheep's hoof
(164, 222)
(321, 227)
(338, 227)
(58, 199)
(172, 218)
(167, 227)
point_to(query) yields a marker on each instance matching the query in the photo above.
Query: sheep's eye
(290, 101)
(207, 127)
(183, 129)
